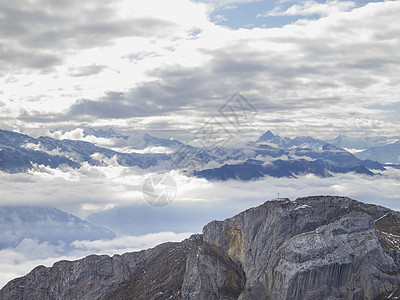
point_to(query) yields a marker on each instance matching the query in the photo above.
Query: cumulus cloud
(78, 134)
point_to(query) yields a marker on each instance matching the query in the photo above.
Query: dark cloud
(239, 62)
(34, 116)
(274, 77)
(14, 59)
(87, 71)
(88, 35)
(178, 88)
(110, 107)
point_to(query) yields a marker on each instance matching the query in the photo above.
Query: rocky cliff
(321, 247)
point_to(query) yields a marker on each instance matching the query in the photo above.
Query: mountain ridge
(318, 247)
(19, 153)
(46, 224)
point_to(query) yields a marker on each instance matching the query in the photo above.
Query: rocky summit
(321, 247)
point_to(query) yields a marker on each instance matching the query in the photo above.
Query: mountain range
(104, 133)
(362, 143)
(270, 155)
(19, 152)
(46, 224)
(380, 148)
(320, 247)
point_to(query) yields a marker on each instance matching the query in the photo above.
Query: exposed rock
(147, 274)
(321, 247)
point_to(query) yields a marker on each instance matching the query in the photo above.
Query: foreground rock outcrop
(321, 247)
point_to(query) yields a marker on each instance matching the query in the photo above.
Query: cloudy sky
(307, 66)
(318, 68)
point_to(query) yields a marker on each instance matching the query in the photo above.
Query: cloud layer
(104, 189)
(128, 64)
(98, 188)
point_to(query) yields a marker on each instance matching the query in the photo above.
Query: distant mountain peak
(269, 137)
(285, 142)
(160, 142)
(35, 222)
(331, 147)
(269, 133)
(104, 133)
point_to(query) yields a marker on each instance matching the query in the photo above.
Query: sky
(324, 68)
(165, 67)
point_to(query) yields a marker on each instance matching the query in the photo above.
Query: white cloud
(104, 160)
(93, 188)
(227, 3)
(230, 7)
(124, 244)
(219, 18)
(150, 149)
(78, 134)
(75, 134)
(310, 8)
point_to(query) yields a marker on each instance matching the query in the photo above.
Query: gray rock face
(321, 247)
(147, 274)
